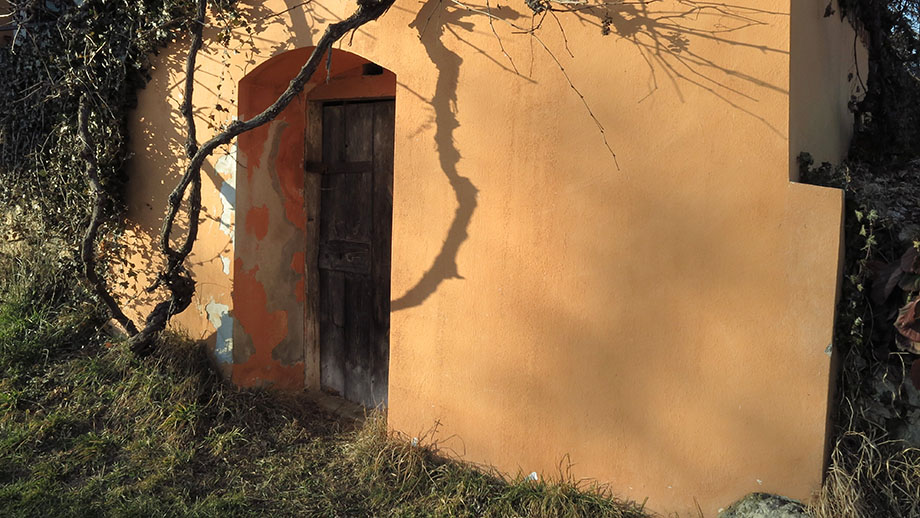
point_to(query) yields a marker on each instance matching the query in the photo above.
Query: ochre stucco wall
(662, 326)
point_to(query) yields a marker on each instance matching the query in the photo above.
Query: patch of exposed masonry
(226, 168)
(219, 316)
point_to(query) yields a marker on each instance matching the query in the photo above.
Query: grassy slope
(98, 433)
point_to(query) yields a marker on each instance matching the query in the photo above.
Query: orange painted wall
(663, 326)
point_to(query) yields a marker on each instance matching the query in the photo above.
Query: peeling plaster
(219, 316)
(257, 220)
(226, 167)
(268, 345)
(225, 261)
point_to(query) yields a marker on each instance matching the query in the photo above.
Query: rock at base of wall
(763, 505)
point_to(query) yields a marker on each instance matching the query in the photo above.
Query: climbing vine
(97, 52)
(888, 121)
(59, 51)
(878, 317)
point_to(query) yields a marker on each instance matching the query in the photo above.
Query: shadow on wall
(669, 412)
(663, 37)
(158, 146)
(162, 148)
(445, 95)
(665, 40)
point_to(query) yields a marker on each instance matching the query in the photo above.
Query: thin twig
(584, 101)
(500, 44)
(289, 9)
(565, 39)
(532, 33)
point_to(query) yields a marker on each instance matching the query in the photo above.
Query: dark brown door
(354, 249)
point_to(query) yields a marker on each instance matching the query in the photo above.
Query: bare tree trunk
(89, 238)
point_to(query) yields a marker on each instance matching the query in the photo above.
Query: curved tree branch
(175, 276)
(191, 142)
(89, 238)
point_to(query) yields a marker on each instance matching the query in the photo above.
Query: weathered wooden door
(356, 203)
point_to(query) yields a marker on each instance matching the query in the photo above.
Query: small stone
(763, 505)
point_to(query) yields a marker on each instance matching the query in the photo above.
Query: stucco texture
(660, 321)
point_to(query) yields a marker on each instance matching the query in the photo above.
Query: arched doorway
(315, 208)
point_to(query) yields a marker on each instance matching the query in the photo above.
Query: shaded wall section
(829, 68)
(662, 324)
(157, 137)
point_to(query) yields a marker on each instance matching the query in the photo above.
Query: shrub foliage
(59, 51)
(888, 118)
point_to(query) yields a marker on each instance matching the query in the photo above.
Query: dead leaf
(908, 323)
(906, 345)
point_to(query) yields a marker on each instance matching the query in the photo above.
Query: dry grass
(870, 479)
(87, 430)
(871, 475)
(417, 474)
(99, 433)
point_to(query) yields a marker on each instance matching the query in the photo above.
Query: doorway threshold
(349, 410)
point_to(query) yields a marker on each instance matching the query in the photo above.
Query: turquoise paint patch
(219, 316)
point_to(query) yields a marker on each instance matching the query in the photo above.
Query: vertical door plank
(313, 152)
(332, 283)
(358, 209)
(333, 133)
(332, 327)
(357, 339)
(359, 139)
(359, 132)
(384, 120)
(333, 151)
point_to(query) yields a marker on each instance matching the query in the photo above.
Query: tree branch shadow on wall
(663, 37)
(445, 97)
